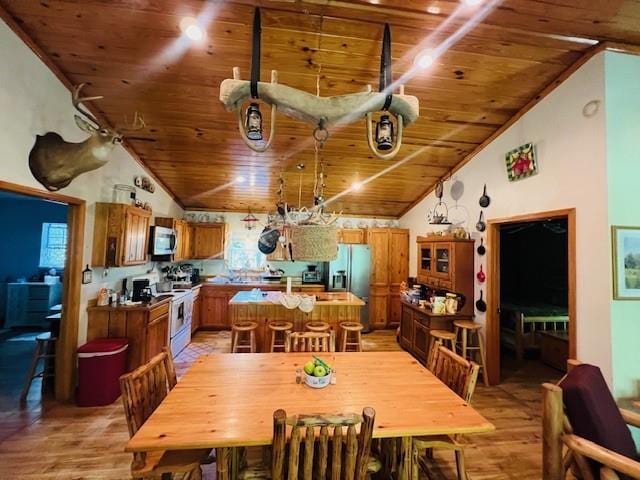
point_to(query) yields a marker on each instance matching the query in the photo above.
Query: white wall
(571, 153)
(32, 102)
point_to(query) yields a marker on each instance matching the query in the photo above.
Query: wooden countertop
(258, 284)
(322, 298)
(429, 313)
(151, 304)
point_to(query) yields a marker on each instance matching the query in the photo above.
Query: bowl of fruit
(317, 373)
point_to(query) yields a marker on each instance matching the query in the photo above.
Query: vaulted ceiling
(131, 52)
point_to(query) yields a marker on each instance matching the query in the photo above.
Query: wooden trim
(588, 55)
(71, 287)
(492, 326)
(50, 64)
(622, 48)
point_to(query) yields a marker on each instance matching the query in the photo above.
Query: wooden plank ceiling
(130, 52)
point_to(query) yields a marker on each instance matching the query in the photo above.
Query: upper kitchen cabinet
(208, 240)
(352, 235)
(183, 243)
(120, 235)
(446, 263)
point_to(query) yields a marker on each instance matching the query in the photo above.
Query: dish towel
(304, 302)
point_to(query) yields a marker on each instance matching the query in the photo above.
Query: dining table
(226, 401)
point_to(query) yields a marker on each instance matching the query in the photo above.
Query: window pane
(243, 251)
(53, 245)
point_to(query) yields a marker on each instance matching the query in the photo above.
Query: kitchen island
(330, 307)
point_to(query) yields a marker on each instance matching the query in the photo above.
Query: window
(243, 251)
(53, 246)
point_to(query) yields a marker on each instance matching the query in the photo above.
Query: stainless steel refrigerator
(350, 272)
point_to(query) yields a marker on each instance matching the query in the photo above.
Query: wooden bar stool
(470, 331)
(45, 349)
(354, 330)
(318, 327)
(439, 337)
(243, 337)
(281, 328)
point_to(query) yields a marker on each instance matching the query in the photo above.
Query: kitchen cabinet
(446, 263)
(215, 308)
(195, 314)
(280, 254)
(389, 268)
(146, 326)
(181, 229)
(352, 235)
(415, 328)
(120, 235)
(208, 240)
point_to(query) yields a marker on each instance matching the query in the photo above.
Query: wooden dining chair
(580, 416)
(310, 342)
(318, 447)
(460, 375)
(142, 391)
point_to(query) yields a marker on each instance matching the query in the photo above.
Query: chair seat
(468, 324)
(446, 442)
(280, 326)
(172, 461)
(244, 326)
(319, 327)
(351, 326)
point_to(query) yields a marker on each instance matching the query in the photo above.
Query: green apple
(309, 367)
(319, 371)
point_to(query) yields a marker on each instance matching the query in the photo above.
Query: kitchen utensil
(268, 240)
(481, 226)
(481, 306)
(439, 190)
(481, 276)
(484, 199)
(481, 249)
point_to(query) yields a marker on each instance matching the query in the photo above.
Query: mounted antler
(55, 162)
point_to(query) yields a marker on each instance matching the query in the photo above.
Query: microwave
(162, 241)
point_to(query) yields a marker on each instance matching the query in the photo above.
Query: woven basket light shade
(314, 243)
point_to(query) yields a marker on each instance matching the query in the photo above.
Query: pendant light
(384, 133)
(254, 122)
(250, 221)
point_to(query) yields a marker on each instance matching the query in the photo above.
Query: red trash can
(100, 364)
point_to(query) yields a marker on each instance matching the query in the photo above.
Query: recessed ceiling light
(424, 59)
(433, 10)
(472, 3)
(191, 29)
(240, 179)
(355, 186)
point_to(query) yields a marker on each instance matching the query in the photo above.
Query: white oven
(180, 320)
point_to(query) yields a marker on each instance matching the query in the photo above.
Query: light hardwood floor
(66, 442)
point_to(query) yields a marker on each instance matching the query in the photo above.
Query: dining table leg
(222, 463)
(405, 459)
(235, 463)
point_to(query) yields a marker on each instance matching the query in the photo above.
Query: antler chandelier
(321, 112)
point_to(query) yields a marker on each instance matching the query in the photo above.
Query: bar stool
(45, 349)
(354, 329)
(470, 331)
(279, 327)
(317, 326)
(440, 337)
(243, 337)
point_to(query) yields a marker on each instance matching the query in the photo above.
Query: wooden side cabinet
(208, 240)
(120, 235)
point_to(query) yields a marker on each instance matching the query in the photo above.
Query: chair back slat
(455, 372)
(313, 449)
(310, 342)
(309, 441)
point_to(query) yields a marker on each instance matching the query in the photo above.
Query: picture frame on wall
(626, 262)
(521, 162)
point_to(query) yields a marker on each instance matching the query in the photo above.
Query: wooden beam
(532, 103)
(39, 52)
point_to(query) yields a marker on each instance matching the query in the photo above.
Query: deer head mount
(320, 112)
(55, 162)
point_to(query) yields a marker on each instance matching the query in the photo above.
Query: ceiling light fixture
(240, 179)
(190, 28)
(424, 59)
(356, 186)
(433, 10)
(472, 3)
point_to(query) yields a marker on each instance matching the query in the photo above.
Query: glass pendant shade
(254, 122)
(384, 133)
